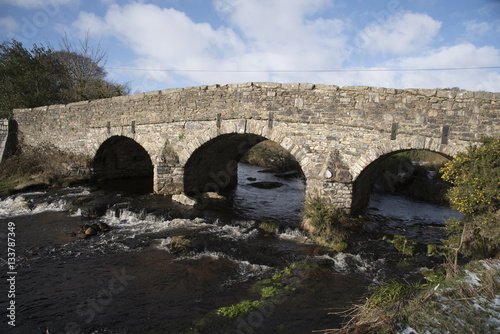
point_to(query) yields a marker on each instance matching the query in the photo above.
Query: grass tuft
(327, 225)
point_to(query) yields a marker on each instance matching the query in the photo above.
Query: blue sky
(177, 43)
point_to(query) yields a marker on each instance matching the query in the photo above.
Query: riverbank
(466, 302)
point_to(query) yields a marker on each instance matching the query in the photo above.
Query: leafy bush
(475, 176)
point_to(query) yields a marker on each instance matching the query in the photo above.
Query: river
(128, 280)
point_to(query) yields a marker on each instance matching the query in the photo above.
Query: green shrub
(475, 176)
(270, 291)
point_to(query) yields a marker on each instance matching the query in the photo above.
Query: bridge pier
(168, 179)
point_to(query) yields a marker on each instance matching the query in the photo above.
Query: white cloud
(284, 32)
(464, 55)
(265, 20)
(33, 4)
(476, 29)
(8, 24)
(260, 38)
(401, 34)
(165, 36)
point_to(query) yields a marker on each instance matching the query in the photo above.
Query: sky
(154, 45)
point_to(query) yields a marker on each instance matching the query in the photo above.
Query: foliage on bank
(475, 175)
(414, 174)
(464, 303)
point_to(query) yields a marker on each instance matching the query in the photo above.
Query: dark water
(128, 281)
(422, 222)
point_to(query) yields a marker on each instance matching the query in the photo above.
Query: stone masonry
(195, 136)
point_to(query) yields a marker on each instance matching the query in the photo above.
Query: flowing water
(129, 281)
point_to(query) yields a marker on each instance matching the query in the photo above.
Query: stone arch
(212, 167)
(301, 153)
(121, 157)
(364, 182)
(404, 144)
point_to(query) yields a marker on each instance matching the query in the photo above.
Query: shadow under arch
(213, 167)
(122, 158)
(364, 183)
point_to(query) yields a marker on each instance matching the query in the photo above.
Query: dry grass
(44, 163)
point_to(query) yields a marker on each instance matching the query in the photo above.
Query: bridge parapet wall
(422, 111)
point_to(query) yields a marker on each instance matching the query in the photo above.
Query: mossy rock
(180, 244)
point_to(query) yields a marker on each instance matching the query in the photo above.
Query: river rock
(30, 185)
(266, 185)
(94, 209)
(82, 229)
(81, 201)
(184, 200)
(90, 231)
(215, 196)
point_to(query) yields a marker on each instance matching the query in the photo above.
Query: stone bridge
(189, 140)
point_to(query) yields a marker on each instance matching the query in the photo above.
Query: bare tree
(86, 77)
